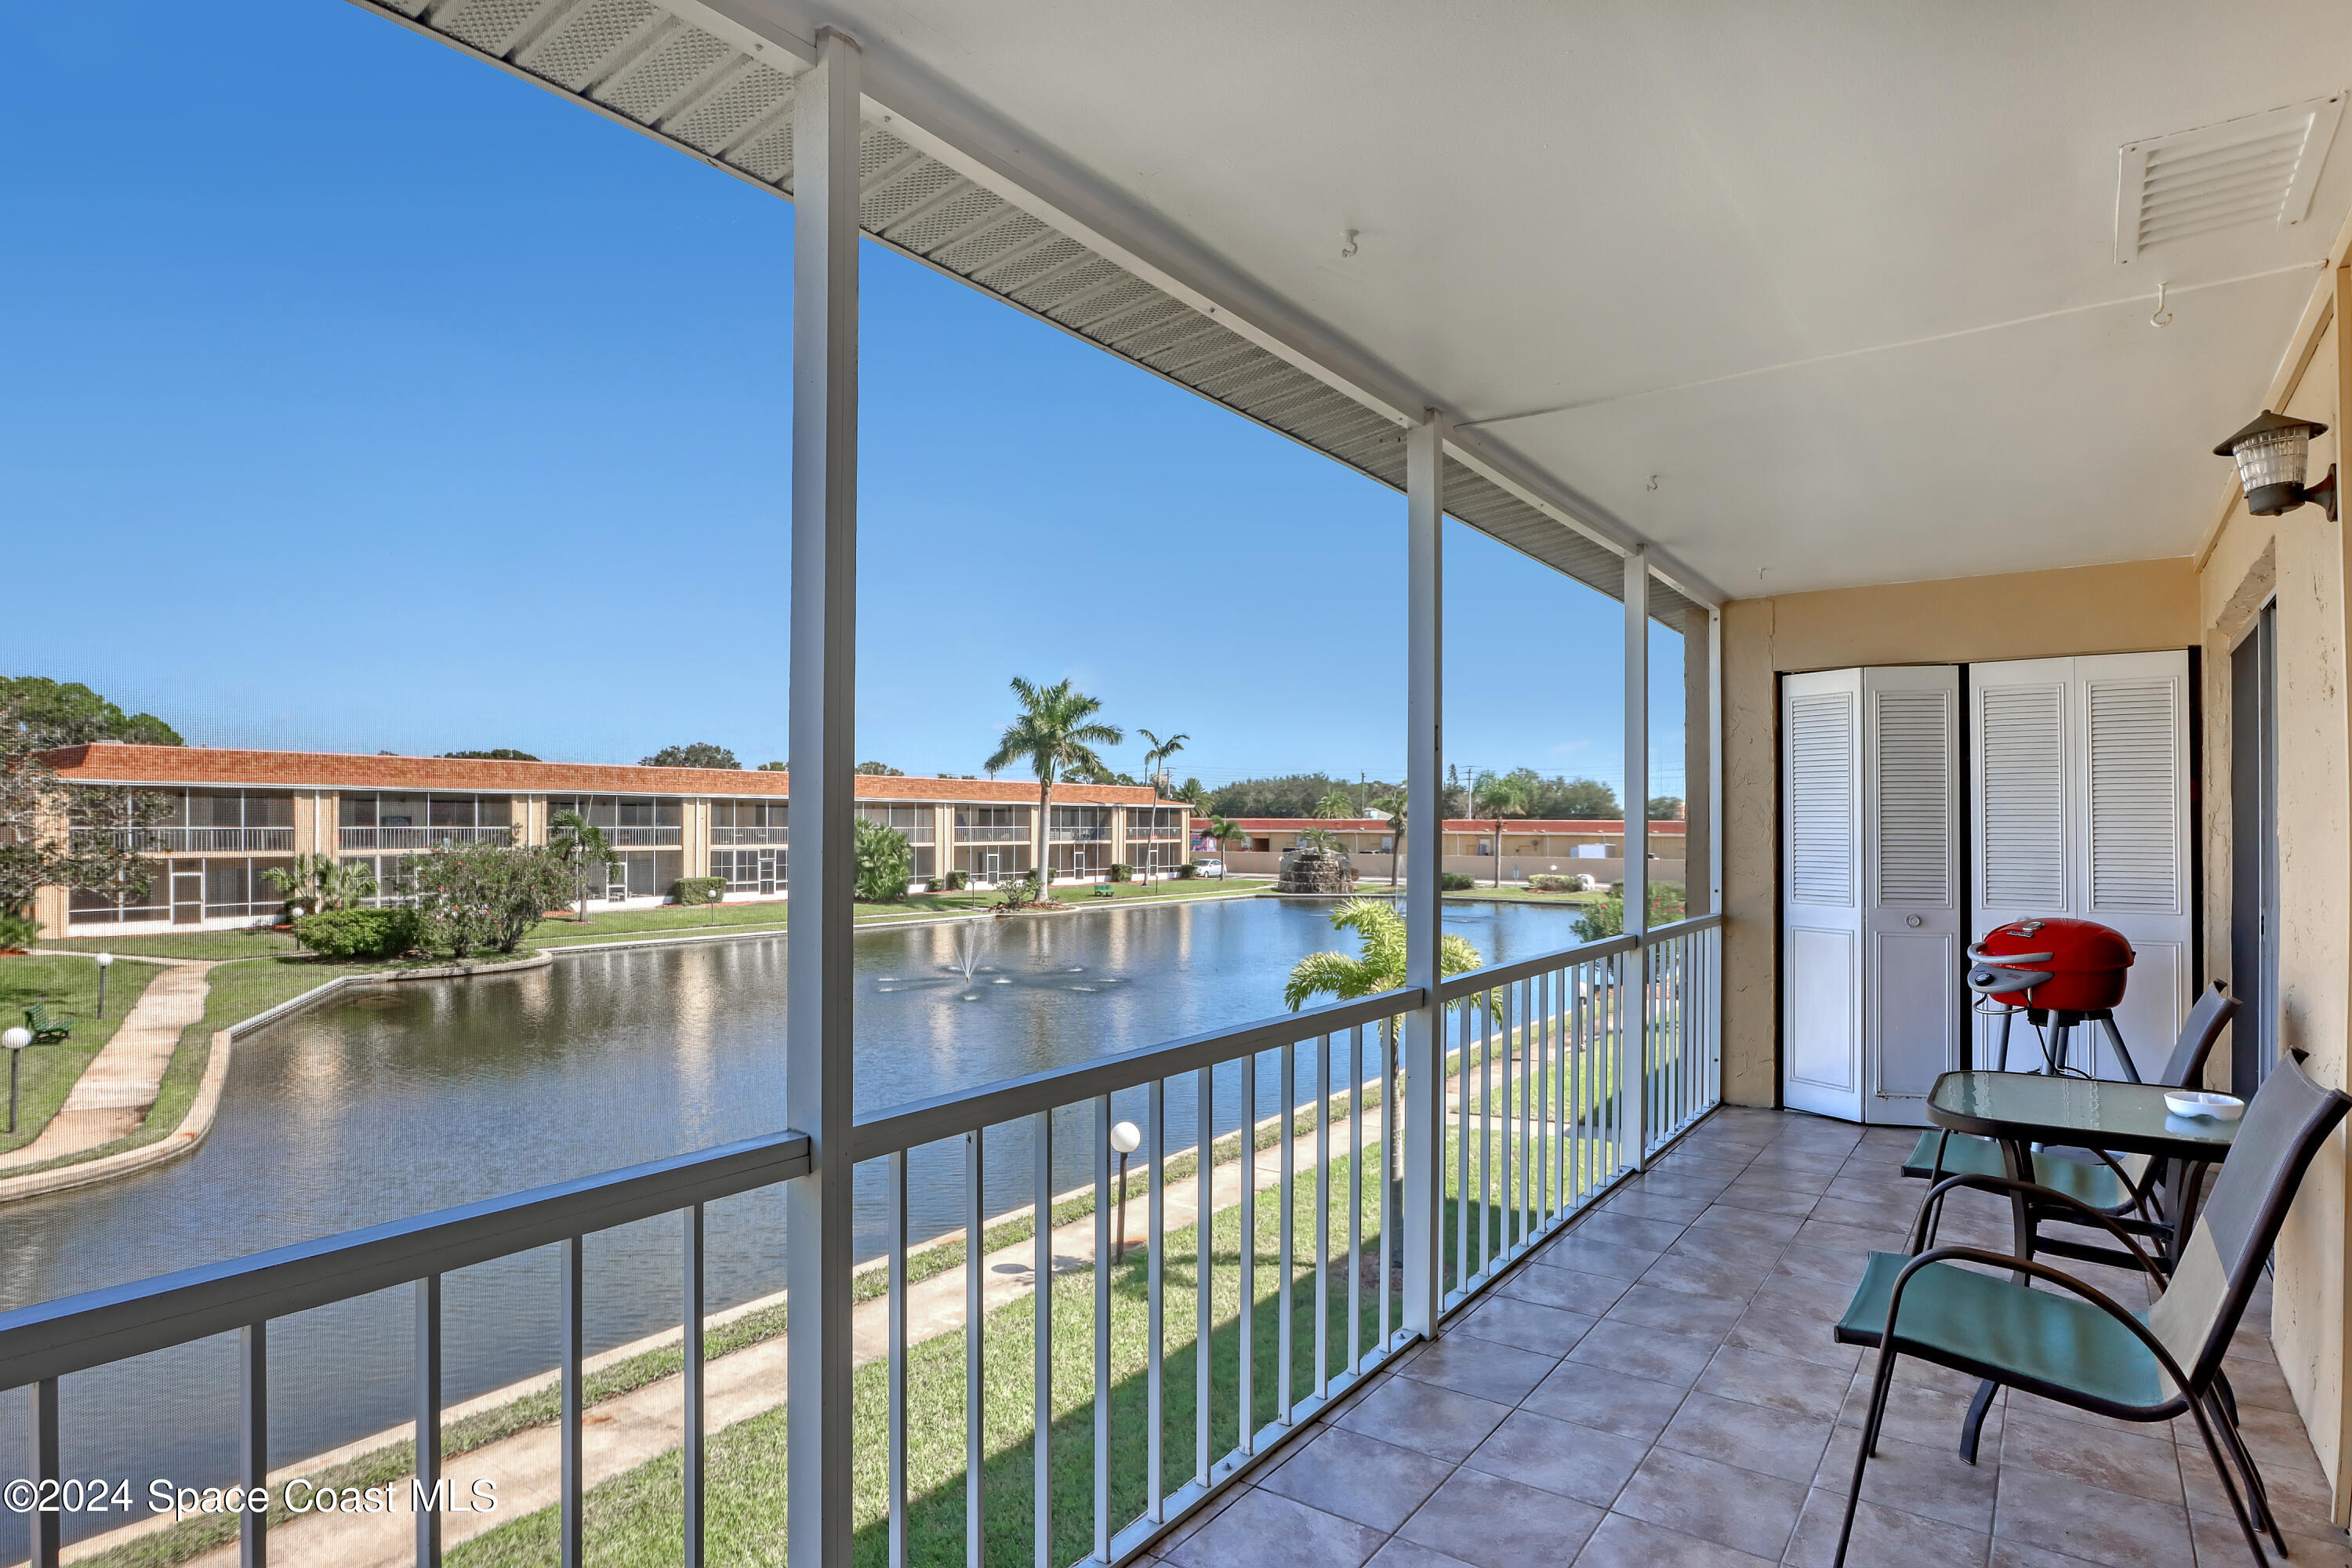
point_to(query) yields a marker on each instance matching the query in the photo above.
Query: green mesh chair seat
(2088, 1181)
(2043, 1341)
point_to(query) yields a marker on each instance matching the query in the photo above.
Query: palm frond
(1333, 974)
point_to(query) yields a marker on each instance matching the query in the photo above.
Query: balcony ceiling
(1811, 296)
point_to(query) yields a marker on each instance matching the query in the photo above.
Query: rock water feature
(1316, 869)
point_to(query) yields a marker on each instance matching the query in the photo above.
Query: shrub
(1607, 919)
(885, 860)
(1121, 871)
(1544, 882)
(1456, 882)
(699, 889)
(955, 881)
(18, 931)
(1186, 871)
(1020, 892)
(476, 896)
(359, 935)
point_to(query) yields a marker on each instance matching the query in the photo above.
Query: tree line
(1521, 793)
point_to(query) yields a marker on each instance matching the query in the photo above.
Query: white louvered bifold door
(2081, 805)
(1821, 893)
(1912, 915)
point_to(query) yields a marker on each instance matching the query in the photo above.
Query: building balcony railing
(1080, 835)
(191, 840)
(991, 836)
(725, 836)
(643, 838)
(1546, 1082)
(419, 837)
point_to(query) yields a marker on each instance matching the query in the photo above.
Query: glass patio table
(2092, 1113)
(2020, 1110)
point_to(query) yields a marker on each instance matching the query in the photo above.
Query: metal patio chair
(2075, 1344)
(2123, 1187)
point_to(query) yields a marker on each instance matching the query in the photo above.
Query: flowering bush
(470, 897)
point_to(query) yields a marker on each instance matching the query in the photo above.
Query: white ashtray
(2205, 1103)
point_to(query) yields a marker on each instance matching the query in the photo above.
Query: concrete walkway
(622, 1433)
(112, 1097)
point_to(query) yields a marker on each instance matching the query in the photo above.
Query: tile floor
(1659, 1387)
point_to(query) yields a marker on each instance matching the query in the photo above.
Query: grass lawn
(239, 990)
(247, 943)
(69, 986)
(635, 1518)
(606, 924)
(673, 919)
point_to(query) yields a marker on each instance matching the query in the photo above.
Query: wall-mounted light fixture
(2273, 453)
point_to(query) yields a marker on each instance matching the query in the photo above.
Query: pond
(389, 1104)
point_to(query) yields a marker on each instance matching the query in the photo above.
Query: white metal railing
(1285, 1088)
(991, 836)
(1079, 835)
(191, 840)
(737, 836)
(1262, 1286)
(641, 838)
(419, 837)
(1539, 1118)
(1683, 1025)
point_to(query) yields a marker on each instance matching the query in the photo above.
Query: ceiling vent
(2258, 169)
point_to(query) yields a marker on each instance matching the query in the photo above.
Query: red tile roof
(222, 766)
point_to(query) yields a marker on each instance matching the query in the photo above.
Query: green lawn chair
(2075, 1344)
(47, 1027)
(2124, 1187)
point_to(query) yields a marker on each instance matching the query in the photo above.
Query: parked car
(1209, 867)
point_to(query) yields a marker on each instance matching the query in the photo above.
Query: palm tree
(579, 844)
(297, 883)
(1498, 795)
(346, 884)
(1056, 730)
(1335, 803)
(1377, 966)
(1224, 832)
(1155, 761)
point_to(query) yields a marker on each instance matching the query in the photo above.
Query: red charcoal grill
(2060, 973)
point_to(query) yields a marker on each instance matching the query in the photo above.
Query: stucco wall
(2297, 558)
(2135, 606)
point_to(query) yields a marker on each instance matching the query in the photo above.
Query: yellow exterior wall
(2298, 558)
(2132, 608)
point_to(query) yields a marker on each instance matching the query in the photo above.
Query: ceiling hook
(2163, 318)
(1349, 249)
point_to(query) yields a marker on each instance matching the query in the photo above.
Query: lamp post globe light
(105, 962)
(1125, 1138)
(15, 1040)
(2273, 453)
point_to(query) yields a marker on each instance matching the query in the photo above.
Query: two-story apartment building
(232, 816)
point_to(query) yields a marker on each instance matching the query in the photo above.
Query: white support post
(1423, 842)
(1636, 1081)
(823, 642)
(1714, 1000)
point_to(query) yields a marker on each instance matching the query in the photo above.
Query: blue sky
(362, 397)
